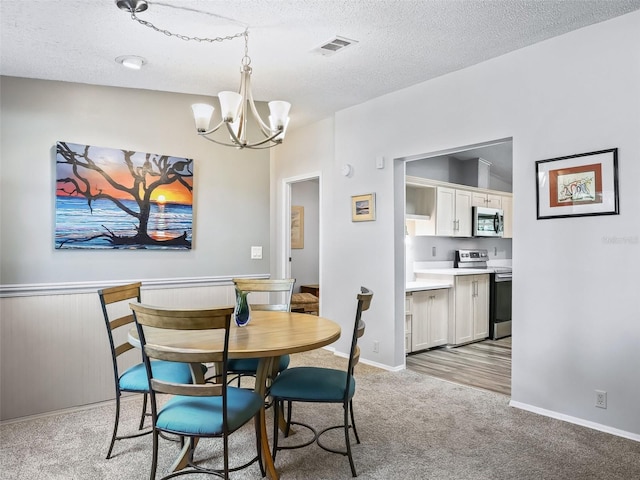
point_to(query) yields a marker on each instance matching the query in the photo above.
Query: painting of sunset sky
(110, 198)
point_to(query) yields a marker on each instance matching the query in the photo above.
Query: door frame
(285, 215)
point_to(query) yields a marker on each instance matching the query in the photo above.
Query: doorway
(486, 166)
(302, 237)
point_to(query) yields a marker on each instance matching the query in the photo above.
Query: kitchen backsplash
(442, 249)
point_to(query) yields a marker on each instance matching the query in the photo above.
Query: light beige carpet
(412, 427)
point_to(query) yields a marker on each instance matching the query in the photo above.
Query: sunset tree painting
(116, 199)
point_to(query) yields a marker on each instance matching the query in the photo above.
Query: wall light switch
(256, 253)
(379, 161)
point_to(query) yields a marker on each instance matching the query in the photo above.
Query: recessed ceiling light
(131, 61)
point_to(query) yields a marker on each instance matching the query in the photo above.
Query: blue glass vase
(242, 312)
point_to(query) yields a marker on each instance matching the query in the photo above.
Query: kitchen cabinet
(470, 317)
(407, 322)
(420, 210)
(507, 207)
(429, 318)
(453, 212)
(489, 200)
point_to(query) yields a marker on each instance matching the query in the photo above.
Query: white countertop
(420, 285)
(453, 271)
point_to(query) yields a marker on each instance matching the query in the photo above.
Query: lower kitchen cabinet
(470, 317)
(429, 318)
(407, 322)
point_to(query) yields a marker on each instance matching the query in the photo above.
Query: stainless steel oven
(500, 303)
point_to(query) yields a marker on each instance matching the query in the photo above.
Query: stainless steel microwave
(488, 222)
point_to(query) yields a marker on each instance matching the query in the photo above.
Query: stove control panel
(471, 258)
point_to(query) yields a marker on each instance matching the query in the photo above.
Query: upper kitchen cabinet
(420, 212)
(453, 214)
(489, 200)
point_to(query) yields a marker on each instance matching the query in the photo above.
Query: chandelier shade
(236, 109)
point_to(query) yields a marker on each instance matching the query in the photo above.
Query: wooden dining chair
(282, 291)
(196, 410)
(322, 385)
(118, 318)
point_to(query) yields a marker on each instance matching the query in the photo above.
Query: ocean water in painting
(78, 227)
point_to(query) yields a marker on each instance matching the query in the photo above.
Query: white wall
(231, 208)
(575, 305)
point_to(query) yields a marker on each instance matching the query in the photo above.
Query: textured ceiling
(400, 43)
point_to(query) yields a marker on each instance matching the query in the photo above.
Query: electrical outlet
(256, 253)
(601, 399)
(376, 347)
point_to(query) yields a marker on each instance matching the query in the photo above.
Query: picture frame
(363, 207)
(579, 185)
(96, 208)
(297, 227)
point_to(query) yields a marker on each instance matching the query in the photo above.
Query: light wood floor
(485, 364)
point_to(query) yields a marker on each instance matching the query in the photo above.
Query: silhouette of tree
(157, 170)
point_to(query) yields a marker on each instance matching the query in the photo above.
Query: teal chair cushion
(203, 415)
(135, 378)
(250, 365)
(312, 384)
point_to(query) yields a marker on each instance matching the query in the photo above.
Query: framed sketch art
(297, 226)
(578, 185)
(363, 207)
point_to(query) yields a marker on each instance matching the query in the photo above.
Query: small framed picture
(297, 226)
(363, 207)
(578, 185)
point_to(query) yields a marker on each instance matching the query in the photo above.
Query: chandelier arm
(266, 130)
(212, 130)
(252, 146)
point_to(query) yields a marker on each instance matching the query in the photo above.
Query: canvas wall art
(109, 198)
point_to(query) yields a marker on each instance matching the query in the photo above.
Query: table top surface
(268, 334)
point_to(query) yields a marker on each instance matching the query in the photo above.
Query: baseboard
(372, 364)
(577, 421)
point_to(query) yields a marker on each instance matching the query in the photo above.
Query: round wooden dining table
(267, 336)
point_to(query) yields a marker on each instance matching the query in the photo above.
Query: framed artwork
(578, 185)
(297, 227)
(109, 198)
(363, 207)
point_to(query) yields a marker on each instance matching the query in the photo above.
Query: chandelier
(236, 108)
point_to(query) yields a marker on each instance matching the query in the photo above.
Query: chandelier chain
(187, 38)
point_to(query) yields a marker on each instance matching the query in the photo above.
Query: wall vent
(336, 44)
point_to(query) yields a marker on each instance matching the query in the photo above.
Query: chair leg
(144, 412)
(259, 445)
(276, 413)
(226, 457)
(353, 421)
(347, 440)
(154, 458)
(115, 426)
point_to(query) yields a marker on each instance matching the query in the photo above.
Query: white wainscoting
(54, 351)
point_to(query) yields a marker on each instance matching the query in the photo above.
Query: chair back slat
(284, 287)
(192, 390)
(159, 353)
(121, 321)
(123, 347)
(181, 319)
(120, 293)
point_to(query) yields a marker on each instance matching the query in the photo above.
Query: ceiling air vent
(336, 44)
